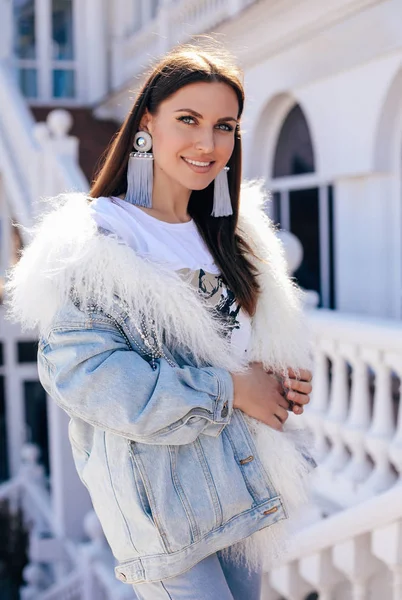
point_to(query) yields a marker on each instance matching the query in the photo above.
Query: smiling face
(193, 133)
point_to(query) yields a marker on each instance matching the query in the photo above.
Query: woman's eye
(186, 120)
(225, 126)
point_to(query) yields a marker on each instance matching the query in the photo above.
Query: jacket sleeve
(93, 374)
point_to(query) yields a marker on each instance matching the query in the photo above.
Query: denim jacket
(138, 362)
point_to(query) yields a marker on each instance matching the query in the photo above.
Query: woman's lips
(198, 168)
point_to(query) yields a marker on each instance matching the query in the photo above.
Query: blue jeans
(214, 578)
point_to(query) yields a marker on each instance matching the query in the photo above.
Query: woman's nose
(205, 142)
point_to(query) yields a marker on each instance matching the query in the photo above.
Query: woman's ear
(146, 122)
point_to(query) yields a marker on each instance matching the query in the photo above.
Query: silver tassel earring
(222, 203)
(140, 171)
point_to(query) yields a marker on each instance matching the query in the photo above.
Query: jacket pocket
(162, 494)
(145, 494)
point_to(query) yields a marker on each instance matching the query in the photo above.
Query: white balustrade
(174, 23)
(352, 414)
(37, 159)
(354, 554)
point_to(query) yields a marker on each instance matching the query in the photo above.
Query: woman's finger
(284, 402)
(298, 398)
(304, 374)
(281, 413)
(303, 387)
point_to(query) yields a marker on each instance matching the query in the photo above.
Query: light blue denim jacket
(170, 465)
(174, 472)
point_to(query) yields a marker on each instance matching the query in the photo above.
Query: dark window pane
(294, 151)
(36, 418)
(332, 297)
(24, 29)
(304, 223)
(62, 30)
(28, 82)
(63, 83)
(276, 204)
(27, 352)
(4, 471)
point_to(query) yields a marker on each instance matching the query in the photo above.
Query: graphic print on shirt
(212, 288)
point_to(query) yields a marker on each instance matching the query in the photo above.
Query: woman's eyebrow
(196, 114)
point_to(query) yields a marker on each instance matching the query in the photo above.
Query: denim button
(225, 410)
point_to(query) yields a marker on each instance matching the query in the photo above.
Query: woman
(172, 336)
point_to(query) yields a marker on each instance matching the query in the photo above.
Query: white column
(118, 31)
(43, 31)
(92, 45)
(66, 485)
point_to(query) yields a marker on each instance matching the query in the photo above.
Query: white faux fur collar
(68, 251)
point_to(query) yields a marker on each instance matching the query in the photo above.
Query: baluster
(396, 582)
(386, 545)
(319, 571)
(287, 581)
(267, 592)
(35, 582)
(337, 414)
(355, 560)
(395, 448)
(380, 434)
(357, 425)
(359, 590)
(317, 410)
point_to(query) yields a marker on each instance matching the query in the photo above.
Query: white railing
(355, 554)
(83, 571)
(175, 22)
(18, 149)
(354, 412)
(36, 159)
(355, 415)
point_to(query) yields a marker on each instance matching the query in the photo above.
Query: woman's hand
(261, 395)
(298, 390)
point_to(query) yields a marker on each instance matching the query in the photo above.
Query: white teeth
(197, 163)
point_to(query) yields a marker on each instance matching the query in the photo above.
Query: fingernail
(291, 395)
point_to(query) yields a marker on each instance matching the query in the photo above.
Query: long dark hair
(180, 67)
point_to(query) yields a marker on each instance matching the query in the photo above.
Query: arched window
(294, 151)
(304, 205)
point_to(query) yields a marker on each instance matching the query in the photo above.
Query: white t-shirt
(180, 247)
